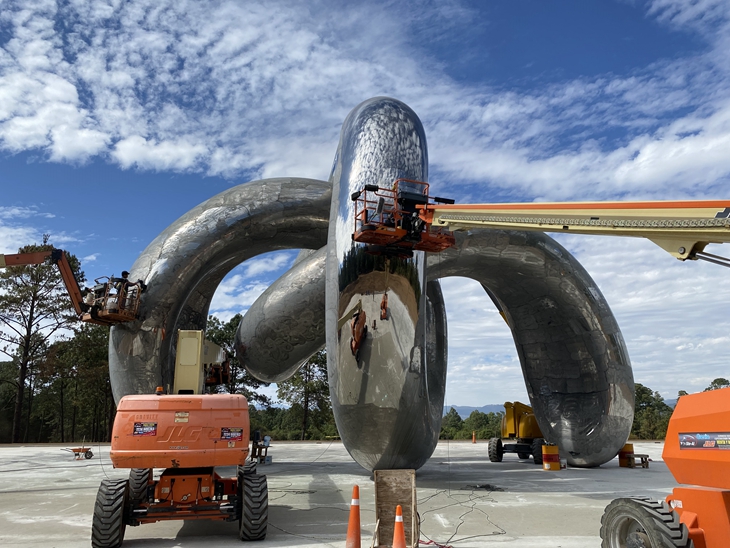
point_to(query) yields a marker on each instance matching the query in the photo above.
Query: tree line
(651, 417)
(652, 413)
(54, 381)
(55, 386)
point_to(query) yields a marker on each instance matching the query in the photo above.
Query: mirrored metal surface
(376, 303)
(285, 325)
(183, 266)
(573, 356)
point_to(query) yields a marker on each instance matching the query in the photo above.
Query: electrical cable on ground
(100, 461)
(469, 509)
(472, 499)
(323, 452)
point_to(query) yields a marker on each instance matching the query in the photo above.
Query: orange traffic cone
(399, 534)
(353, 526)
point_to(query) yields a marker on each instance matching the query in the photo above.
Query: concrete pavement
(47, 499)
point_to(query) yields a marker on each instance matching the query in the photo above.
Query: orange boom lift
(103, 304)
(388, 220)
(186, 434)
(697, 448)
(403, 219)
(697, 452)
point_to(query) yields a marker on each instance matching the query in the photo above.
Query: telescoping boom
(404, 218)
(682, 228)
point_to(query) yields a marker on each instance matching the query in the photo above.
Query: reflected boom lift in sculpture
(379, 244)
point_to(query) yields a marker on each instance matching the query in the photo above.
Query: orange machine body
(697, 452)
(180, 431)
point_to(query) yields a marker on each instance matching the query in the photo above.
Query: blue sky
(117, 117)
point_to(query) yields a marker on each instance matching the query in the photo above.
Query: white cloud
(234, 295)
(483, 364)
(166, 155)
(698, 13)
(271, 262)
(22, 212)
(24, 225)
(226, 88)
(14, 237)
(234, 88)
(245, 283)
(39, 102)
(90, 258)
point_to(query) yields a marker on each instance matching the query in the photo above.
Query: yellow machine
(518, 425)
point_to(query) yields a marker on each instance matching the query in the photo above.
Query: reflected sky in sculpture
(386, 356)
(380, 395)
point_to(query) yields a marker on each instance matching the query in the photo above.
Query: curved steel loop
(183, 266)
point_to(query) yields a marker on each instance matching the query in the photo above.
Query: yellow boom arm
(682, 228)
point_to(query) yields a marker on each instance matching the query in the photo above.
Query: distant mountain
(464, 410)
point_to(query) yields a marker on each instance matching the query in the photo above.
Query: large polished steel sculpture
(382, 316)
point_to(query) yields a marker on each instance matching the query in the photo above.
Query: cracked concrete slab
(47, 499)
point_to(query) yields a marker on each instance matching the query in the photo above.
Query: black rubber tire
(495, 450)
(88, 454)
(109, 521)
(523, 456)
(642, 523)
(139, 479)
(253, 499)
(248, 468)
(536, 445)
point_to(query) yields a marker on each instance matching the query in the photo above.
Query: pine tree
(651, 415)
(308, 391)
(717, 384)
(34, 307)
(451, 424)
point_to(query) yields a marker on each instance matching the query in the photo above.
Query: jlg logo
(182, 433)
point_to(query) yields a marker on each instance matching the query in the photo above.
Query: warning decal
(704, 440)
(145, 428)
(232, 434)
